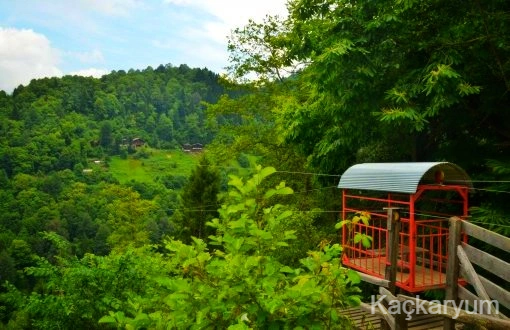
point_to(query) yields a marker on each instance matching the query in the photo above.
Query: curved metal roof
(401, 177)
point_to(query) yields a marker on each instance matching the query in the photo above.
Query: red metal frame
(423, 237)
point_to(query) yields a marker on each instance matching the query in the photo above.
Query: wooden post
(393, 227)
(452, 268)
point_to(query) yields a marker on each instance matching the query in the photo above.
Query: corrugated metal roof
(401, 177)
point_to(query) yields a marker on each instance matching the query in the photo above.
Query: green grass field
(160, 162)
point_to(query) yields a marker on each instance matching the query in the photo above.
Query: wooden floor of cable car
(425, 276)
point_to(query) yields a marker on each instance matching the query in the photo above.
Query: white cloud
(231, 14)
(206, 42)
(25, 55)
(91, 72)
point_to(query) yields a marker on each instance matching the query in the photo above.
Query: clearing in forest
(158, 163)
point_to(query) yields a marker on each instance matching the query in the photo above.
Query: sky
(43, 38)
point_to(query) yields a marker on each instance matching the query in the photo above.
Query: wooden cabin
(195, 147)
(137, 142)
(425, 195)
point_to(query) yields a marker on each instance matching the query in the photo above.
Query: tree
(128, 217)
(417, 78)
(240, 285)
(199, 201)
(105, 135)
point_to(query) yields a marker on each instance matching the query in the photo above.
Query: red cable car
(426, 195)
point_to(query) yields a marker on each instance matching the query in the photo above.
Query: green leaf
(465, 89)
(236, 182)
(366, 241)
(353, 276)
(285, 191)
(284, 215)
(265, 172)
(107, 319)
(342, 223)
(286, 269)
(357, 238)
(269, 193)
(355, 219)
(289, 234)
(364, 219)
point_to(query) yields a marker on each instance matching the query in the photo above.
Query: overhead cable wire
(481, 181)
(492, 190)
(277, 171)
(310, 173)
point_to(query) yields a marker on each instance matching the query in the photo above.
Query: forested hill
(59, 137)
(57, 123)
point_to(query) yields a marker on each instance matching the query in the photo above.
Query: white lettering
(435, 307)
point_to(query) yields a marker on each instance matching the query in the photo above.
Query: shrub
(236, 283)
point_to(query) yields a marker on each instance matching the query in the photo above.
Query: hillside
(85, 157)
(155, 166)
(75, 118)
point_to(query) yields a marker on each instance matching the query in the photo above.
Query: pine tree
(199, 201)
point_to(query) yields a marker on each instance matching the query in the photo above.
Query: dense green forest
(241, 233)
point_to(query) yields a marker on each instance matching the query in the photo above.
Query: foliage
(414, 77)
(235, 282)
(493, 212)
(199, 201)
(75, 293)
(239, 284)
(358, 237)
(58, 123)
(159, 164)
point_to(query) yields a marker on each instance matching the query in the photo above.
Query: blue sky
(40, 38)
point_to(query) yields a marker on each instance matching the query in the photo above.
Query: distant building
(195, 147)
(186, 147)
(137, 142)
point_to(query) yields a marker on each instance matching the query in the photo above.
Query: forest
(240, 233)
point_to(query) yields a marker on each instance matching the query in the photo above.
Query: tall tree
(419, 80)
(199, 201)
(106, 135)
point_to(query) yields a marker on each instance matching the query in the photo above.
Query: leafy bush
(142, 153)
(236, 282)
(239, 284)
(174, 182)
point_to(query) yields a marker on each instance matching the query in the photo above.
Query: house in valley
(137, 142)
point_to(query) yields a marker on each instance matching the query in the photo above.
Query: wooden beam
(466, 295)
(462, 316)
(492, 264)
(486, 236)
(381, 311)
(473, 300)
(400, 322)
(374, 280)
(469, 273)
(389, 296)
(452, 268)
(392, 243)
(496, 292)
(393, 227)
